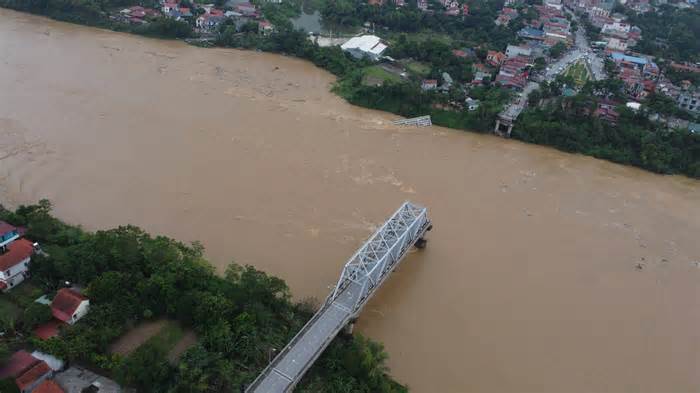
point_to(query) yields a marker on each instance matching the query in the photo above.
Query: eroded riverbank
(545, 272)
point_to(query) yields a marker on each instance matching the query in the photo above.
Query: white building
(369, 46)
(69, 306)
(14, 263)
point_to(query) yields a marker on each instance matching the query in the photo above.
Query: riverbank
(250, 154)
(565, 125)
(238, 318)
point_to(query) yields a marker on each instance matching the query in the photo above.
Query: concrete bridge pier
(348, 329)
(503, 129)
(422, 242)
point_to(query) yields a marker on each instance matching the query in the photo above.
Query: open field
(135, 337)
(418, 68)
(7, 308)
(165, 335)
(376, 75)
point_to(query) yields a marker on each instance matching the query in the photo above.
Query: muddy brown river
(546, 272)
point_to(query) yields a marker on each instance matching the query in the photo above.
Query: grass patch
(579, 73)
(423, 36)
(416, 67)
(24, 294)
(167, 337)
(8, 309)
(377, 73)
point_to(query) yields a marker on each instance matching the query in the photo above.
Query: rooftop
(18, 363)
(5, 227)
(17, 251)
(365, 43)
(37, 371)
(75, 379)
(66, 303)
(48, 386)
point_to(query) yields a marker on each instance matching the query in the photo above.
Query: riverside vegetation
(564, 122)
(132, 277)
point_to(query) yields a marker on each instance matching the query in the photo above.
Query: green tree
(557, 50)
(35, 314)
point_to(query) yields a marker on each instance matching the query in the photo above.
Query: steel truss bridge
(362, 275)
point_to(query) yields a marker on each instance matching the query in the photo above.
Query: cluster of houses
(640, 73)
(550, 28)
(538, 36)
(205, 18)
(449, 7)
(39, 372)
(15, 255)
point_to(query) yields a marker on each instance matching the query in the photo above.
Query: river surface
(546, 272)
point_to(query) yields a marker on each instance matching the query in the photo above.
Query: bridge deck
(361, 277)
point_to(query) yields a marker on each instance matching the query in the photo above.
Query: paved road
(580, 51)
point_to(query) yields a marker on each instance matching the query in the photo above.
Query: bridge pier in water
(362, 275)
(503, 128)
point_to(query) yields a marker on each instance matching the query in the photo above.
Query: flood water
(545, 272)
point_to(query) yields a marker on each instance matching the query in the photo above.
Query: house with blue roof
(530, 33)
(619, 57)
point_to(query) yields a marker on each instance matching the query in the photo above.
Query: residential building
(453, 9)
(685, 67)
(471, 104)
(265, 27)
(8, 233)
(209, 21)
(466, 53)
(617, 29)
(531, 33)
(69, 306)
(48, 386)
(169, 6)
(616, 45)
(495, 58)
(27, 371)
(246, 9)
(606, 111)
(689, 101)
(479, 77)
(78, 380)
(365, 46)
(514, 51)
(14, 263)
(694, 128)
(429, 84)
(447, 81)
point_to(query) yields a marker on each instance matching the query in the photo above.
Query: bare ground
(136, 337)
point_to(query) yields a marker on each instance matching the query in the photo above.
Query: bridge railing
(369, 265)
(367, 268)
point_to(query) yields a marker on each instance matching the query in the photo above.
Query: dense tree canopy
(131, 276)
(670, 33)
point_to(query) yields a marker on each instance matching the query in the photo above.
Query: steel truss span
(362, 275)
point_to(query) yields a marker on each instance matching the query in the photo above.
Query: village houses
(15, 256)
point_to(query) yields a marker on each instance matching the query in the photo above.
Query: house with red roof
(27, 371)
(69, 306)
(8, 233)
(495, 58)
(48, 386)
(429, 84)
(14, 263)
